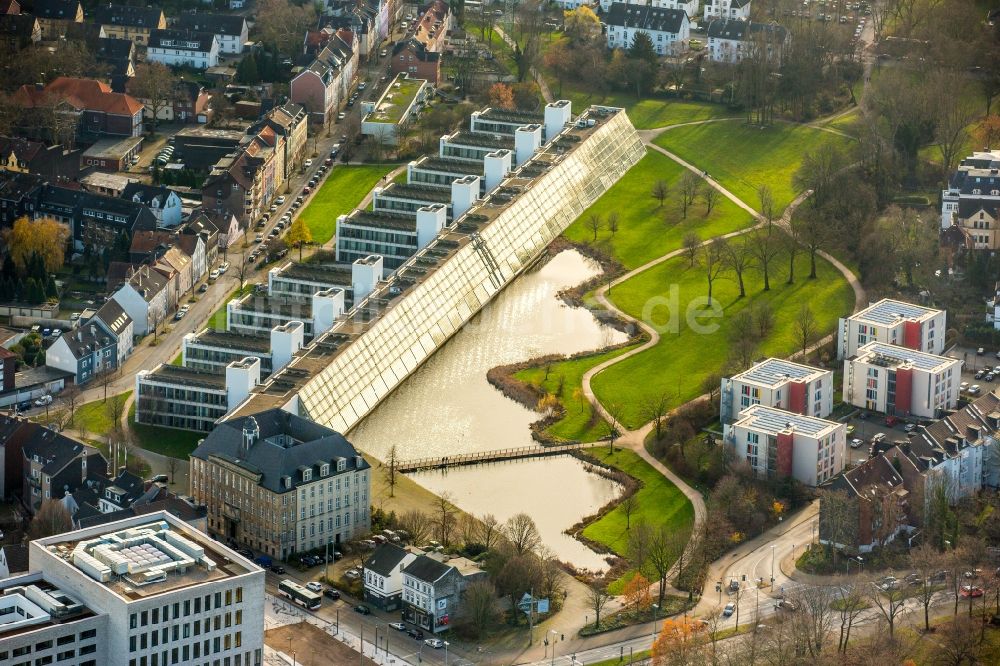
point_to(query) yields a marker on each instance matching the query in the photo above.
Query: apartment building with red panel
(776, 382)
(893, 322)
(900, 381)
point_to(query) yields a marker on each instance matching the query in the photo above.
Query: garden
(339, 194)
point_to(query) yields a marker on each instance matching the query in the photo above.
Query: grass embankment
(658, 501)
(743, 157)
(96, 418)
(682, 359)
(165, 441)
(578, 423)
(340, 194)
(647, 230)
(217, 321)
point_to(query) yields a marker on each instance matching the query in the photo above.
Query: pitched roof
(727, 29)
(154, 196)
(17, 24)
(287, 444)
(86, 340)
(16, 556)
(231, 25)
(418, 49)
(81, 94)
(144, 242)
(56, 9)
(113, 316)
(182, 40)
(25, 149)
(142, 17)
(54, 449)
(12, 7)
(113, 48)
(875, 474)
(64, 199)
(385, 558)
(426, 569)
(175, 259)
(645, 17)
(147, 282)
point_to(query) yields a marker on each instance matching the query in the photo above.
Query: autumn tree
(501, 96)
(636, 593)
(679, 642)
(156, 86)
(559, 59)
(43, 237)
(299, 234)
(52, 518)
(987, 132)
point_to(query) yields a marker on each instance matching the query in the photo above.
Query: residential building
(191, 103)
(129, 22)
(325, 83)
(17, 153)
(112, 155)
(93, 105)
(395, 237)
(18, 31)
(776, 382)
(312, 486)
(193, 246)
(731, 40)
(144, 298)
(299, 281)
(87, 352)
(199, 226)
(412, 58)
(903, 382)
(13, 560)
(727, 9)
(183, 48)
(18, 194)
(776, 443)
(172, 396)
(971, 202)
(12, 436)
(690, 7)
(8, 367)
(432, 593)
(398, 105)
(230, 30)
(383, 576)
(55, 16)
(433, 25)
(161, 201)
(120, 55)
(199, 148)
(213, 351)
(53, 464)
(94, 220)
(893, 322)
(289, 121)
(669, 29)
(256, 314)
(108, 184)
(117, 323)
(179, 268)
(122, 586)
(867, 506)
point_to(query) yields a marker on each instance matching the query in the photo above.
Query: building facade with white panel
(900, 381)
(775, 382)
(894, 322)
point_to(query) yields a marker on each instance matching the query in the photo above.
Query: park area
(341, 193)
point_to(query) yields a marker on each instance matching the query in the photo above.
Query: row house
(183, 48)
(383, 576)
(230, 30)
(360, 20)
(18, 195)
(144, 297)
(326, 82)
(689, 7)
(893, 322)
(291, 122)
(235, 187)
(731, 40)
(129, 22)
(94, 220)
(120, 56)
(188, 104)
(26, 156)
(433, 25)
(411, 58)
(669, 29)
(98, 109)
(775, 382)
(53, 465)
(56, 16)
(98, 345)
(163, 202)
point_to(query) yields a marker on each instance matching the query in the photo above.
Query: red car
(891, 421)
(971, 591)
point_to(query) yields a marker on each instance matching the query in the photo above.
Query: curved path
(635, 439)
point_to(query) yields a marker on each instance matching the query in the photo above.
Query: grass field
(217, 321)
(340, 194)
(644, 113)
(165, 441)
(647, 230)
(577, 424)
(742, 158)
(659, 502)
(95, 416)
(678, 365)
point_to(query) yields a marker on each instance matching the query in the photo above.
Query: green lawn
(659, 502)
(647, 230)
(646, 113)
(340, 194)
(577, 424)
(678, 365)
(742, 158)
(217, 321)
(95, 417)
(847, 122)
(165, 441)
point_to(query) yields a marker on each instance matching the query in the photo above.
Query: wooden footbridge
(497, 455)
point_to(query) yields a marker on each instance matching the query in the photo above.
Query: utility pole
(531, 616)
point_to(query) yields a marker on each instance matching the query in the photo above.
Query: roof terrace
(176, 374)
(382, 220)
(234, 341)
(417, 192)
(29, 602)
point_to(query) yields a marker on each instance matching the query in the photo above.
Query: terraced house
(55, 16)
(324, 85)
(129, 22)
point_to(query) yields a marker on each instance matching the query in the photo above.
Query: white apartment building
(256, 314)
(670, 29)
(183, 48)
(775, 382)
(777, 443)
(896, 380)
(214, 351)
(158, 592)
(383, 577)
(894, 322)
(230, 29)
(690, 7)
(973, 188)
(727, 9)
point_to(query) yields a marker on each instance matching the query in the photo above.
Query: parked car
(889, 583)
(786, 605)
(435, 643)
(398, 626)
(353, 574)
(277, 568)
(259, 238)
(364, 610)
(891, 420)
(203, 288)
(971, 591)
(336, 149)
(306, 190)
(314, 586)
(214, 275)
(341, 115)
(44, 400)
(878, 438)
(223, 267)
(974, 389)
(729, 609)
(331, 593)
(415, 633)
(261, 224)
(910, 427)
(280, 200)
(857, 443)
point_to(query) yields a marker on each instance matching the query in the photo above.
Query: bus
(300, 595)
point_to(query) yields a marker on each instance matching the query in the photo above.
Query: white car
(314, 586)
(308, 163)
(353, 574)
(214, 275)
(435, 643)
(856, 443)
(398, 626)
(341, 115)
(280, 200)
(44, 400)
(223, 267)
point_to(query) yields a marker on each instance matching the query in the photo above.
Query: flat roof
(29, 602)
(417, 192)
(145, 556)
(512, 116)
(176, 374)
(381, 219)
(282, 306)
(481, 139)
(450, 165)
(884, 354)
(889, 311)
(326, 274)
(113, 148)
(395, 100)
(773, 420)
(774, 371)
(235, 342)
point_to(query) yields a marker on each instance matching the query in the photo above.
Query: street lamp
(551, 631)
(446, 653)
(656, 611)
(772, 566)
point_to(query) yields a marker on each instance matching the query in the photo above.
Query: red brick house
(412, 58)
(100, 110)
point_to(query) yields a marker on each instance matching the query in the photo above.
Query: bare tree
(51, 518)
(805, 328)
(738, 258)
(71, 395)
(613, 218)
(889, 603)
(479, 607)
(521, 531)
(417, 524)
(957, 643)
(791, 245)
(391, 463)
(156, 85)
(764, 248)
(711, 197)
(850, 601)
(664, 550)
(597, 599)
(490, 530)
(660, 191)
(691, 242)
(444, 520)
(115, 409)
(766, 201)
(594, 224)
(813, 621)
(614, 411)
(926, 561)
(763, 318)
(689, 187)
(655, 410)
(629, 505)
(172, 468)
(105, 378)
(713, 261)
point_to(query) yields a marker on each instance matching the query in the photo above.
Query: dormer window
(307, 475)
(324, 470)
(341, 465)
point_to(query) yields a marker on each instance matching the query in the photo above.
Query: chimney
(464, 193)
(496, 165)
(285, 341)
(430, 220)
(527, 140)
(365, 274)
(327, 305)
(558, 114)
